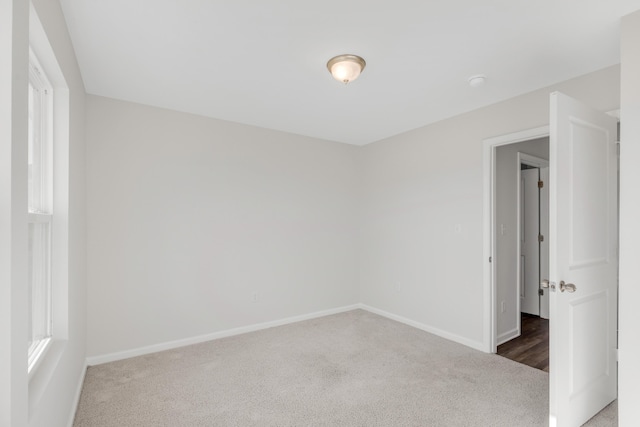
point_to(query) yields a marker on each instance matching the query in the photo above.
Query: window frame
(40, 206)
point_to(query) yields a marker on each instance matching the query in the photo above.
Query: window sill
(38, 355)
(42, 372)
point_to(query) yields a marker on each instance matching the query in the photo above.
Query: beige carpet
(350, 369)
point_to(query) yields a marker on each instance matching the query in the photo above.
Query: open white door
(583, 261)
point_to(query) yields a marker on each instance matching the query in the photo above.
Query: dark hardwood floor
(532, 346)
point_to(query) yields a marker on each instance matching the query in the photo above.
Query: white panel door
(583, 253)
(530, 247)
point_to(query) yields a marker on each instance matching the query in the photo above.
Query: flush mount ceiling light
(346, 68)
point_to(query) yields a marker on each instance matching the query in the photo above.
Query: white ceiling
(262, 62)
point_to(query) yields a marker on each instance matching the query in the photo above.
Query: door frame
(489, 149)
(526, 159)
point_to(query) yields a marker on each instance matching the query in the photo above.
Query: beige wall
(420, 186)
(629, 315)
(189, 217)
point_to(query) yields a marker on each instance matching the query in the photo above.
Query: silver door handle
(569, 287)
(545, 284)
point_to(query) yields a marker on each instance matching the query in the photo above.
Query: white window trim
(38, 75)
(44, 212)
(35, 356)
(42, 372)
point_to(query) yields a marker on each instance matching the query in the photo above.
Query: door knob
(544, 283)
(569, 287)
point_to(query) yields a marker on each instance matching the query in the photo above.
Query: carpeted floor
(349, 369)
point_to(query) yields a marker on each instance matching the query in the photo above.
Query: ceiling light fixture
(346, 68)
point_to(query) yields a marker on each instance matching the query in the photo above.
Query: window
(40, 212)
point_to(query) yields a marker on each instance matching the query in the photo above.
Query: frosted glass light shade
(346, 68)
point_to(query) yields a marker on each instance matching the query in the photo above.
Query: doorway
(533, 233)
(583, 256)
(531, 343)
(493, 302)
(521, 259)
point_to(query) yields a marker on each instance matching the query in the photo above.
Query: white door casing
(490, 147)
(583, 252)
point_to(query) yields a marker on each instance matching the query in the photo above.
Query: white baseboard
(508, 336)
(112, 357)
(76, 399)
(432, 330)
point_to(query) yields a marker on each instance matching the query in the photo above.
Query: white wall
(49, 398)
(190, 216)
(420, 185)
(629, 315)
(507, 177)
